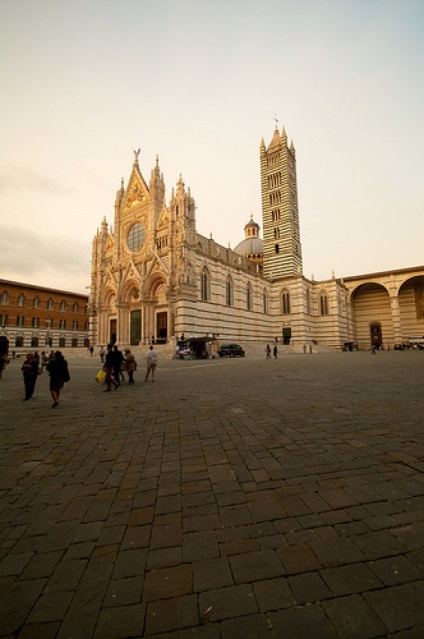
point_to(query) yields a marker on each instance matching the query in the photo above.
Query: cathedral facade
(155, 278)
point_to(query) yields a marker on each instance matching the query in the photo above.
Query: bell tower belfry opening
(282, 252)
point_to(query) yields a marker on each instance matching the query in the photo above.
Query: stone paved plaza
(230, 499)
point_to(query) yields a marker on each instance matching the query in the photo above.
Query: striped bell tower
(282, 251)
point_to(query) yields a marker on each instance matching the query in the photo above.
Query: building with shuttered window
(34, 317)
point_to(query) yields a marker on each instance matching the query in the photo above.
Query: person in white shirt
(152, 362)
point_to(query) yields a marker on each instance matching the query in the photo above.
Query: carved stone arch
(109, 297)
(153, 285)
(130, 291)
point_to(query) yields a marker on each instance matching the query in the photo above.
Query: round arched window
(135, 237)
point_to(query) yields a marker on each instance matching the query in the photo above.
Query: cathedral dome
(249, 247)
(252, 246)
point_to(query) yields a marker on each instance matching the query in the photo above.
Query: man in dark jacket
(109, 366)
(118, 359)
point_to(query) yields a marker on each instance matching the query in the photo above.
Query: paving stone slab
(168, 582)
(400, 607)
(353, 578)
(210, 574)
(274, 594)
(120, 622)
(251, 627)
(172, 614)
(227, 603)
(302, 623)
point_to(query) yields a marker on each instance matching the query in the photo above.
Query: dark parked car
(231, 350)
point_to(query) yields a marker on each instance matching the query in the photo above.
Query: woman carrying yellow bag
(100, 377)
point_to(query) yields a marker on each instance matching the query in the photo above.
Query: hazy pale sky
(84, 82)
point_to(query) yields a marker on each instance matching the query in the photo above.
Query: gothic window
(75, 307)
(249, 297)
(62, 324)
(229, 292)
(277, 248)
(21, 300)
(265, 301)
(36, 302)
(63, 305)
(50, 304)
(19, 341)
(285, 303)
(323, 303)
(19, 320)
(276, 234)
(3, 320)
(34, 342)
(4, 298)
(35, 322)
(205, 285)
(75, 325)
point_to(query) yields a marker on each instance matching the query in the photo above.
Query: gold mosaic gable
(163, 220)
(136, 193)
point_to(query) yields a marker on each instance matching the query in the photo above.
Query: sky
(200, 83)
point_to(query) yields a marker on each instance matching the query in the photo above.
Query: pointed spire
(180, 185)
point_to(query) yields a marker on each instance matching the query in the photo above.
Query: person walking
(152, 362)
(275, 351)
(268, 351)
(130, 365)
(59, 374)
(118, 360)
(102, 354)
(30, 372)
(109, 368)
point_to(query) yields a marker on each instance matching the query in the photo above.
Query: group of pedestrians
(57, 367)
(274, 351)
(115, 363)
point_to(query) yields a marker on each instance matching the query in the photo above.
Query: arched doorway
(372, 315)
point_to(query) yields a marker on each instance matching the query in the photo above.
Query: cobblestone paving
(229, 499)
